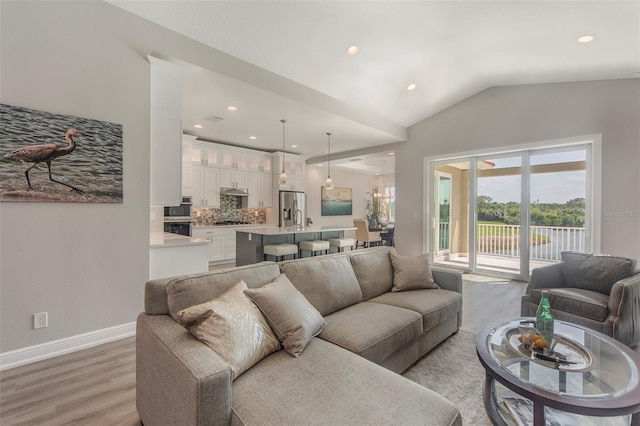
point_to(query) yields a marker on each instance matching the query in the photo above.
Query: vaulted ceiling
(450, 50)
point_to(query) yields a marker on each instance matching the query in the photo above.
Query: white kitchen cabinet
(166, 133)
(204, 153)
(260, 162)
(231, 158)
(205, 186)
(232, 178)
(266, 190)
(260, 190)
(294, 166)
(217, 242)
(230, 244)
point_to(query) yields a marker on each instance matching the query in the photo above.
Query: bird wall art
(53, 157)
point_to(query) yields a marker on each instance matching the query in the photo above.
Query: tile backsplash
(208, 217)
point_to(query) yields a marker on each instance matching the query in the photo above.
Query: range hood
(234, 192)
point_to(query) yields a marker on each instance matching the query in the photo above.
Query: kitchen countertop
(239, 225)
(167, 239)
(296, 230)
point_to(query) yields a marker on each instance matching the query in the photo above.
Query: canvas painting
(59, 158)
(336, 202)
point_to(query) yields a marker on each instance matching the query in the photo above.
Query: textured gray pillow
(233, 327)
(596, 272)
(411, 273)
(293, 319)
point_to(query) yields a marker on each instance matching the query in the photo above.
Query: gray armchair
(597, 291)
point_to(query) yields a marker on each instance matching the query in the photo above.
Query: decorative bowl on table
(563, 353)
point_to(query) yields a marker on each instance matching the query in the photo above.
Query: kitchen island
(173, 254)
(250, 242)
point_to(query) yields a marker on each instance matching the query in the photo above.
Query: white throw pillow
(233, 327)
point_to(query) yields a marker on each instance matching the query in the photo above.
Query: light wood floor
(94, 386)
(97, 386)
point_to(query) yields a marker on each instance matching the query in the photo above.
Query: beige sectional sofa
(339, 377)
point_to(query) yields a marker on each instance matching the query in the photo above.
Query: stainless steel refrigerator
(293, 208)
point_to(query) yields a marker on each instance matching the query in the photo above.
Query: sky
(545, 187)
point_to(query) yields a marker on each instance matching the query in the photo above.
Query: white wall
(504, 116)
(84, 264)
(359, 182)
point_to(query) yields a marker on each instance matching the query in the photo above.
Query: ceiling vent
(214, 119)
(355, 159)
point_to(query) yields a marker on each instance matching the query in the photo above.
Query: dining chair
(364, 236)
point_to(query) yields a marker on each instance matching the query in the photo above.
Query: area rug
(452, 369)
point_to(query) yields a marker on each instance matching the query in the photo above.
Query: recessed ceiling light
(252, 138)
(198, 126)
(586, 38)
(294, 146)
(391, 153)
(319, 165)
(231, 108)
(411, 86)
(352, 50)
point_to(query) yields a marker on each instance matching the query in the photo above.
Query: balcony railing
(546, 242)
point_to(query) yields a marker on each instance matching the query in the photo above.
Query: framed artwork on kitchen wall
(336, 201)
(59, 158)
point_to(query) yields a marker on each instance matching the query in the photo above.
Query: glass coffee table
(591, 375)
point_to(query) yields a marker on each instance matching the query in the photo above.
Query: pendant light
(329, 183)
(282, 180)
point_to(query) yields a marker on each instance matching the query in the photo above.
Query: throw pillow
(293, 319)
(596, 272)
(233, 327)
(411, 273)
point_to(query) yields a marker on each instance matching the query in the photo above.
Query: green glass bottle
(544, 319)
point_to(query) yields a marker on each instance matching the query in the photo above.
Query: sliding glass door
(508, 213)
(498, 213)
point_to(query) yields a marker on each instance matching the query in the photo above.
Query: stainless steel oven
(177, 219)
(177, 227)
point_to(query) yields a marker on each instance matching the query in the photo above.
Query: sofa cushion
(435, 306)
(411, 272)
(372, 330)
(189, 290)
(594, 272)
(576, 301)
(293, 319)
(373, 270)
(233, 327)
(328, 282)
(328, 385)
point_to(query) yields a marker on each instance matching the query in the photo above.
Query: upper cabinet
(260, 162)
(235, 168)
(166, 133)
(294, 166)
(205, 154)
(233, 159)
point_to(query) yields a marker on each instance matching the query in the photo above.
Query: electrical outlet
(41, 320)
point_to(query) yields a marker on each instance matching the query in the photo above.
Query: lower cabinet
(217, 242)
(222, 240)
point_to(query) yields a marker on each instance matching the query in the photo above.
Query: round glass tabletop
(584, 365)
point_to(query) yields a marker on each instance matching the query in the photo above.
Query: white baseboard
(67, 345)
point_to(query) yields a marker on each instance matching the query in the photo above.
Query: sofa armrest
(624, 310)
(179, 380)
(546, 277)
(448, 279)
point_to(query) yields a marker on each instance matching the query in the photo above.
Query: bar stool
(314, 246)
(280, 250)
(341, 243)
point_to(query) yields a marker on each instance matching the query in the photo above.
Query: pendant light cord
(283, 121)
(329, 169)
